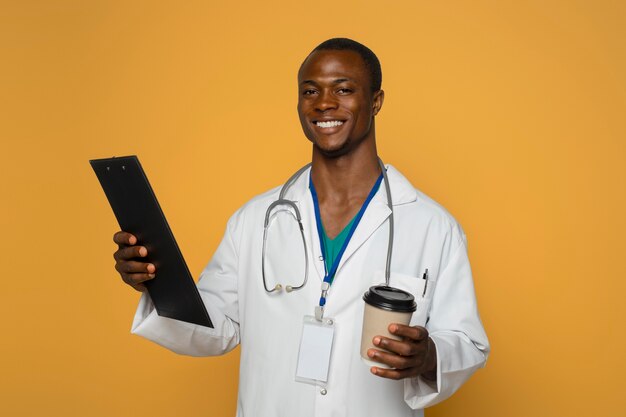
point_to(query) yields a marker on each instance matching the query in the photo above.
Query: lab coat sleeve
(218, 290)
(455, 328)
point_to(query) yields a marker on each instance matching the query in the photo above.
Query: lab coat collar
(402, 192)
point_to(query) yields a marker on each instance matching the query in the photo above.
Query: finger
(124, 238)
(134, 267)
(393, 360)
(394, 373)
(411, 332)
(130, 252)
(406, 347)
(136, 279)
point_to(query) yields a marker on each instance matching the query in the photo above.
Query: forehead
(328, 65)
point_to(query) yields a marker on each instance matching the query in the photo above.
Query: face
(335, 102)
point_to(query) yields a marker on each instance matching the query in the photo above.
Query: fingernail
(374, 370)
(393, 328)
(150, 275)
(132, 240)
(371, 353)
(150, 268)
(143, 251)
(377, 341)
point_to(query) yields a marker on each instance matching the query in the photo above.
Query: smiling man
(299, 349)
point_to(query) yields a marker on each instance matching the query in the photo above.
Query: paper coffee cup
(383, 305)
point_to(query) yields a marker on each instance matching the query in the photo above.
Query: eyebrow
(336, 81)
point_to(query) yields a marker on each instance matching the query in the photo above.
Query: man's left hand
(414, 355)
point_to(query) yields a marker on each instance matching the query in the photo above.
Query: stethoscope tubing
(283, 201)
(297, 216)
(390, 204)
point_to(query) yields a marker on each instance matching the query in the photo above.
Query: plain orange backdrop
(510, 114)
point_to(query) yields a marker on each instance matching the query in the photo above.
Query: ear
(379, 97)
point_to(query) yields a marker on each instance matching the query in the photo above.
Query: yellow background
(510, 114)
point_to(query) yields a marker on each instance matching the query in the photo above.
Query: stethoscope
(296, 214)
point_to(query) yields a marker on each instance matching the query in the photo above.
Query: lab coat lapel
(375, 214)
(378, 211)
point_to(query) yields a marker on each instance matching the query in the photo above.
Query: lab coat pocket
(420, 288)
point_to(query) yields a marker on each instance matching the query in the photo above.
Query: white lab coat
(269, 326)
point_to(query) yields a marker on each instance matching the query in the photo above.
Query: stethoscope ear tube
(390, 204)
(278, 287)
(291, 179)
(282, 200)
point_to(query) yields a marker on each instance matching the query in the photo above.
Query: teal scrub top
(332, 247)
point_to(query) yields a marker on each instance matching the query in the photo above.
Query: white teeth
(330, 123)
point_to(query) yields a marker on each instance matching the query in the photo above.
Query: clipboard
(173, 290)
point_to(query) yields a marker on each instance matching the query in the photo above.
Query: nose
(325, 101)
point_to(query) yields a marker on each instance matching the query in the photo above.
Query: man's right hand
(133, 273)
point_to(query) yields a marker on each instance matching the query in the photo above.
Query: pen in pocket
(425, 278)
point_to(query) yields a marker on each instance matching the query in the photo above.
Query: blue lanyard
(330, 275)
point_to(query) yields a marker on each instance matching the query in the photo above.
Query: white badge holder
(315, 351)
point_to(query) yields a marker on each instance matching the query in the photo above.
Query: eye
(344, 91)
(308, 92)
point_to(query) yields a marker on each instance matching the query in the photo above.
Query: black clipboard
(173, 290)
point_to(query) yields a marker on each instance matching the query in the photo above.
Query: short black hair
(371, 60)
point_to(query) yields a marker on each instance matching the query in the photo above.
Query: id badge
(316, 346)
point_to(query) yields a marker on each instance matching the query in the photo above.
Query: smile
(328, 123)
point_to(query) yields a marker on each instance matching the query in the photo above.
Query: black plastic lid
(389, 298)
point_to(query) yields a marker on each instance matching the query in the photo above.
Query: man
(340, 94)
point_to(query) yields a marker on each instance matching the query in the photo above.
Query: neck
(347, 177)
